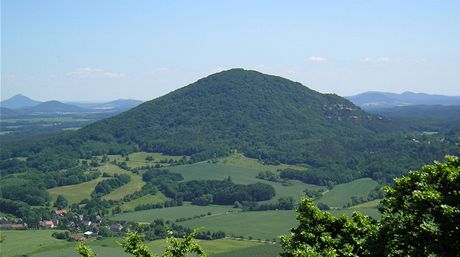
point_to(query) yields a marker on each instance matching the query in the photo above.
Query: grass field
(341, 194)
(240, 175)
(132, 186)
(110, 248)
(26, 243)
(173, 213)
(111, 169)
(240, 160)
(372, 212)
(75, 193)
(146, 199)
(259, 225)
(138, 159)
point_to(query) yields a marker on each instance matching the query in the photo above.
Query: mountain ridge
(376, 99)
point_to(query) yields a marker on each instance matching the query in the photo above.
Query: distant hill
(371, 100)
(267, 117)
(18, 101)
(6, 111)
(260, 115)
(53, 107)
(438, 112)
(123, 104)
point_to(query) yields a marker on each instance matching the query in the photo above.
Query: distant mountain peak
(19, 101)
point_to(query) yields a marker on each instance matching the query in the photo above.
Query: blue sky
(108, 49)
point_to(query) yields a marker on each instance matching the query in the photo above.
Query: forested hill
(263, 116)
(267, 117)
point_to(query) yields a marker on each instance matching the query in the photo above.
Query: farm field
(267, 225)
(41, 244)
(146, 199)
(341, 194)
(173, 213)
(75, 193)
(111, 169)
(240, 175)
(132, 186)
(26, 243)
(137, 159)
(240, 160)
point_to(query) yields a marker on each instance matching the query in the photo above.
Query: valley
(236, 169)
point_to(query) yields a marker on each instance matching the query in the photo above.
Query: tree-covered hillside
(267, 117)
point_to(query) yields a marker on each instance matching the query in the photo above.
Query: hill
(266, 117)
(18, 101)
(262, 116)
(53, 107)
(371, 100)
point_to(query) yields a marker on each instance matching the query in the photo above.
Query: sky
(101, 50)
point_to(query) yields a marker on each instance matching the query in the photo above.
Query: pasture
(29, 242)
(173, 213)
(159, 197)
(41, 244)
(267, 225)
(341, 194)
(240, 175)
(75, 193)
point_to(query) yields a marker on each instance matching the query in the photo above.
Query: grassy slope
(239, 175)
(75, 193)
(138, 159)
(146, 199)
(108, 247)
(259, 225)
(173, 213)
(23, 243)
(341, 194)
(132, 186)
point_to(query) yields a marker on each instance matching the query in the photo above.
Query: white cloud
(317, 59)
(87, 72)
(381, 59)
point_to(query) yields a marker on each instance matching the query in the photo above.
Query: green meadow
(40, 244)
(341, 194)
(266, 225)
(173, 213)
(159, 197)
(75, 193)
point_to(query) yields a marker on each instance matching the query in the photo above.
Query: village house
(60, 213)
(89, 234)
(116, 227)
(47, 224)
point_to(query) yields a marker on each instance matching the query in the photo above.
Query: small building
(77, 237)
(60, 213)
(116, 227)
(18, 226)
(89, 234)
(47, 224)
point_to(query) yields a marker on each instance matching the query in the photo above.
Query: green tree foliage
(60, 202)
(421, 213)
(134, 245)
(265, 117)
(323, 234)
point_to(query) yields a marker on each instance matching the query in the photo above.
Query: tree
(133, 244)
(421, 212)
(61, 202)
(323, 234)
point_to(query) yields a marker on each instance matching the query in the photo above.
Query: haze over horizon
(106, 50)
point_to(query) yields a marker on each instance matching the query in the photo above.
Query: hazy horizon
(106, 50)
